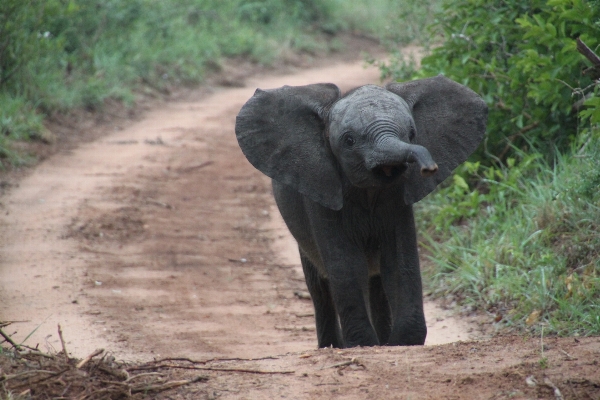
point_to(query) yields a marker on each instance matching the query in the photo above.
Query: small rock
(302, 294)
(531, 381)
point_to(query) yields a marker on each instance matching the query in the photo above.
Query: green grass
(394, 22)
(522, 240)
(56, 56)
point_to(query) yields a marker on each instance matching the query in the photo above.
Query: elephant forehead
(367, 104)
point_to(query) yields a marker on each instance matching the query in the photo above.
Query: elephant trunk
(397, 154)
(420, 155)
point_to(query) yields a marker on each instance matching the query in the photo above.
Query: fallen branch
(175, 366)
(82, 379)
(53, 375)
(250, 371)
(119, 373)
(36, 353)
(144, 374)
(168, 385)
(210, 360)
(88, 358)
(5, 378)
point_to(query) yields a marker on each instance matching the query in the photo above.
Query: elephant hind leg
(381, 316)
(328, 327)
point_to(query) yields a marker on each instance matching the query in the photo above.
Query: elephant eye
(349, 140)
(412, 133)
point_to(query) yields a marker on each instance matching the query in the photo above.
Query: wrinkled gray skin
(346, 171)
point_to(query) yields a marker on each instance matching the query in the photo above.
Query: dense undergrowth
(517, 228)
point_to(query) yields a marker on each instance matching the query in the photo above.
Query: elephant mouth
(389, 173)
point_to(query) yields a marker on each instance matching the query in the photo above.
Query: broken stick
(9, 340)
(62, 342)
(88, 358)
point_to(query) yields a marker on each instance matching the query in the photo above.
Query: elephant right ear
(282, 133)
(450, 120)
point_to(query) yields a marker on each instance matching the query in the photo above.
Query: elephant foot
(409, 332)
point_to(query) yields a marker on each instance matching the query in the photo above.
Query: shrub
(516, 230)
(521, 57)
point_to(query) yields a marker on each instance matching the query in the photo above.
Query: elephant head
(412, 134)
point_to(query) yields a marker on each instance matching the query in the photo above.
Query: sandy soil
(160, 240)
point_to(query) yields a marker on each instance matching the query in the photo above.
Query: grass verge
(522, 241)
(57, 56)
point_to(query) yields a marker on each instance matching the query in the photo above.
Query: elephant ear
(450, 119)
(282, 133)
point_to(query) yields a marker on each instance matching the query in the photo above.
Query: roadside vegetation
(516, 231)
(60, 55)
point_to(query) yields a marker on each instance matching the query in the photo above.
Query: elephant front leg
(401, 278)
(349, 298)
(348, 277)
(380, 309)
(328, 330)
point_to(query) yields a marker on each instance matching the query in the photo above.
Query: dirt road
(160, 240)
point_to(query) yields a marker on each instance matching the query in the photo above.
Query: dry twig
(88, 358)
(353, 361)
(5, 378)
(62, 342)
(32, 352)
(175, 366)
(167, 385)
(9, 340)
(210, 360)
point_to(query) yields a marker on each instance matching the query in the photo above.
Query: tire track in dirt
(162, 240)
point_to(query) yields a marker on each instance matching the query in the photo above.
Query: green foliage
(515, 231)
(56, 55)
(522, 239)
(521, 57)
(394, 22)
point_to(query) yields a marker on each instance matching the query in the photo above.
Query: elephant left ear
(450, 119)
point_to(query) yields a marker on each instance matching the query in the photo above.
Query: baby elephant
(346, 171)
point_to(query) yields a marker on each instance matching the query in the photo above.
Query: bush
(516, 230)
(525, 244)
(521, 57)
